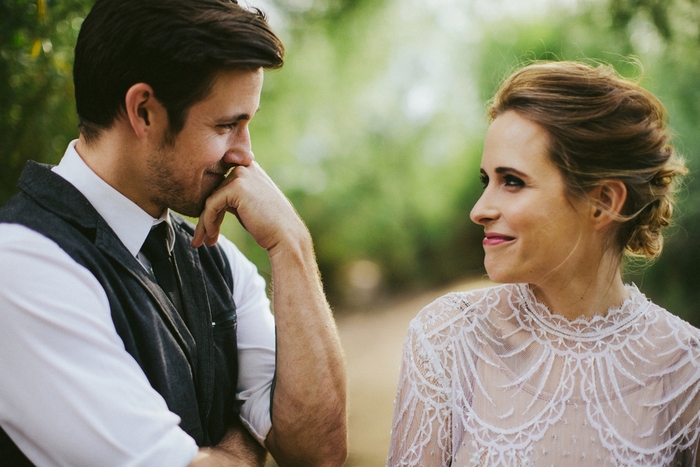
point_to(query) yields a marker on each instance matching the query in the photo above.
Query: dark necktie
(155, 248)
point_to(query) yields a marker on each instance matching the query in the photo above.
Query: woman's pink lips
(493, 239)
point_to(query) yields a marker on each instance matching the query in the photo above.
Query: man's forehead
(234, 93)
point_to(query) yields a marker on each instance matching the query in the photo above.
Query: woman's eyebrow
(511, 170)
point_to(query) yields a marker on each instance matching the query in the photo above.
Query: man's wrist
(298, 243)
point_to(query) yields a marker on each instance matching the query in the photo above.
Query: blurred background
(374, 129)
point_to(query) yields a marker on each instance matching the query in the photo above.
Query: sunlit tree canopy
(374, 127)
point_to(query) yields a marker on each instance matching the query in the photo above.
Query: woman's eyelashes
(483, 179)
(508, 180)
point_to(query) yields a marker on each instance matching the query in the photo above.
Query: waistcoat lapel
(42, 185)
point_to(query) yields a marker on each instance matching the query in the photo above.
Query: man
(126, 336)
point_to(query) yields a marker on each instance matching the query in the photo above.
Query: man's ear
(142, 109)
(608, 200)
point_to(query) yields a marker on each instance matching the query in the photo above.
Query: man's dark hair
(175, 46)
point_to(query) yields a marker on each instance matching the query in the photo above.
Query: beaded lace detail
(492, 378)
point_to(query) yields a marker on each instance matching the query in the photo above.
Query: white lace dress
(492, 378)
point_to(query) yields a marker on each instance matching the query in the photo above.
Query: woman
(563, 365)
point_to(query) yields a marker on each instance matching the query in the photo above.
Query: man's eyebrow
(237, 117)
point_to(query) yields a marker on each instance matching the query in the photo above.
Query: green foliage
(373, 181)
(374, 126)
(623, 11)
(511, 44)
(37, 115)
(671, 18)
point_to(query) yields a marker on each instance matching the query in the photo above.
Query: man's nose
(240, 151)
(239, 156)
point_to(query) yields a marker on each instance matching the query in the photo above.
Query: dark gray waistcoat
(191, 360)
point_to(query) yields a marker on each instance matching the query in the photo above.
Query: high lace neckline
(491, 378)
(581, 329)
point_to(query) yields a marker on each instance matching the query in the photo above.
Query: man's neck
(115, 159)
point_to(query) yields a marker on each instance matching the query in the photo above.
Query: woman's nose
(483, 210)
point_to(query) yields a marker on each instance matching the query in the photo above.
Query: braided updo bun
(602, 127)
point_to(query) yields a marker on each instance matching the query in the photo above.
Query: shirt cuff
(256, 416)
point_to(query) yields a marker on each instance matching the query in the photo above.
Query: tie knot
(156, 245)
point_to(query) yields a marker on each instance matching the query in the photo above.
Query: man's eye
(512, 180)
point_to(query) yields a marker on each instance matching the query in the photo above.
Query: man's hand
(309, 424)
(237, 449)
(260, 206)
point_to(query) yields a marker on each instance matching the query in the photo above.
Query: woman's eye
(512, 180)
(484, 180)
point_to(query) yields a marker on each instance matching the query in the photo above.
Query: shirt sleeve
(70, 394)
(256, 342)
(421, 433)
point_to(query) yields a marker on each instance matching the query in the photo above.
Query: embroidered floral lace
(492, 378)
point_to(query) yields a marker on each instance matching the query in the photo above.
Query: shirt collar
(125, 218)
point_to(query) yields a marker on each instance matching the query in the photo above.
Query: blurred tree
(376, 148)
(37, 116)
(374, 125)
(672, 18)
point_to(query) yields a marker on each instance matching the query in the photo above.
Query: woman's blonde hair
(602, 127)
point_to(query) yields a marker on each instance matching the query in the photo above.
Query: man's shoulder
(45, 200)
(28, 254)
(19, 237)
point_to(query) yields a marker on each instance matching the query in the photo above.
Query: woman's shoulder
(452, 311)
(673, 347)
(439, 329)
(672, 330)
(667, 341)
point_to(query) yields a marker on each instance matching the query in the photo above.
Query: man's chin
(192, 207)
(189, 210)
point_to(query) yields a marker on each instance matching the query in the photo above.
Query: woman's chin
(500, 276)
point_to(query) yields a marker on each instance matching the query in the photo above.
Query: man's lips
(217, 177)
(213, 172)
(222, 172)
(493, 239)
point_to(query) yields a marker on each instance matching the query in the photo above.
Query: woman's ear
(142, 109)
(608, 200)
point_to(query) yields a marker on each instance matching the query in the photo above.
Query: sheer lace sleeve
(421, 431)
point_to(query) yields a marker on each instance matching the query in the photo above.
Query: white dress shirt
(70, 394)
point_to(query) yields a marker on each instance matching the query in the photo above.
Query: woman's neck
(584, 294)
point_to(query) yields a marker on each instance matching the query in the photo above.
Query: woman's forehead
(514, 141)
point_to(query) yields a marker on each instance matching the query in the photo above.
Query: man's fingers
(260, 206)
(209, 224)
(213, 233)
(199, 235)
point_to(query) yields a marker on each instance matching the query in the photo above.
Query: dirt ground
(373, 341)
